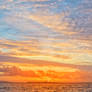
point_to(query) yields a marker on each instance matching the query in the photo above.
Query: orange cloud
(41, 75)
(62, 56)
(51, 73)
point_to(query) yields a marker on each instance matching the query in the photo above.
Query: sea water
(45, 87)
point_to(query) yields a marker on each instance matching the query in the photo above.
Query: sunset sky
(46, 40)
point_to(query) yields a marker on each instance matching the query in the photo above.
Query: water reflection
(45, 87)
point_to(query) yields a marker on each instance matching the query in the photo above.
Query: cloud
(47, 32)
(81, 76)
(55, 22)
(16, 60)
(32, 48)
(15, 71)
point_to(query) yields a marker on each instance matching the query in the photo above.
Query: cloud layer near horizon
(43, 73)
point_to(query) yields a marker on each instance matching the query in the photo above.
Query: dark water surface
(45, 87)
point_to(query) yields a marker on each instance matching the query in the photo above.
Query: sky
(46, 40)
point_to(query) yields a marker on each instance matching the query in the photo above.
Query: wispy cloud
(47, 32)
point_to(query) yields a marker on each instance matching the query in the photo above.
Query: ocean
(45, 87)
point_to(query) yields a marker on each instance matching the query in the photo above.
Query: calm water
(45, 87)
